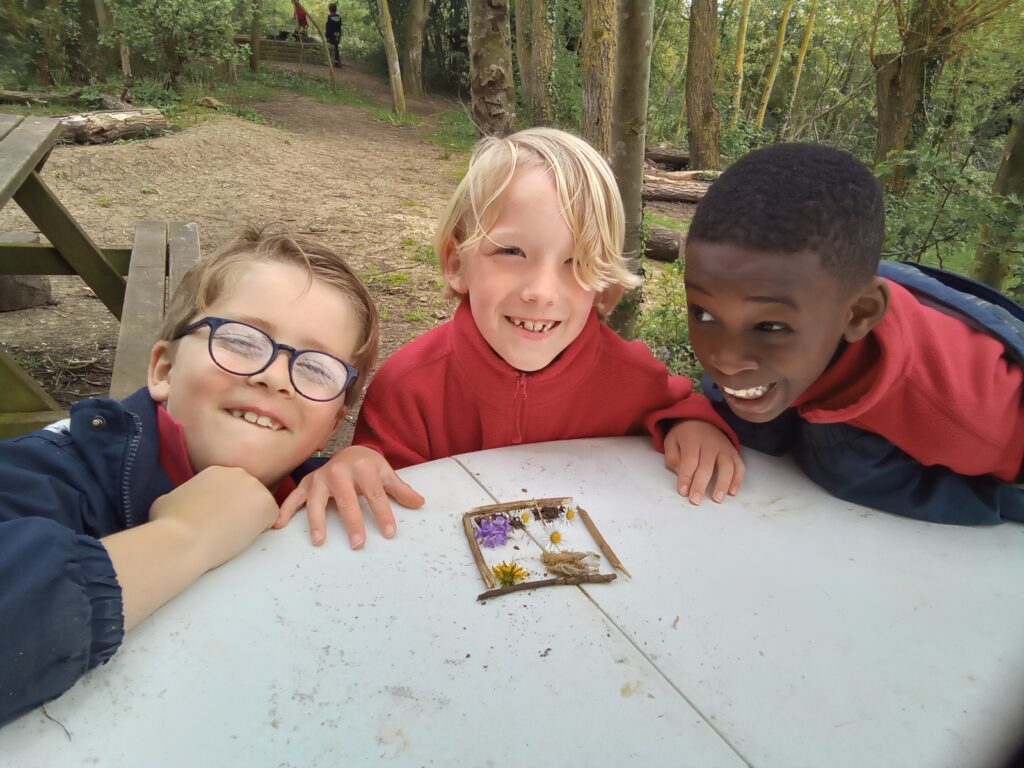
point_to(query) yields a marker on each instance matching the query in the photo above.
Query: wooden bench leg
(24, 405)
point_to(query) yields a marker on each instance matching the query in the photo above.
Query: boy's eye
(770, 326)
(700, 314)
(512, 250)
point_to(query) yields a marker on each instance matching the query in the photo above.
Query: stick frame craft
(493, 589)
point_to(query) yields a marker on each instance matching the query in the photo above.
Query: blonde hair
(207, 280)
(590, 200)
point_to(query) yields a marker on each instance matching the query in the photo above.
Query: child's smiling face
(523, 293)
(766, 325)
(219, 410)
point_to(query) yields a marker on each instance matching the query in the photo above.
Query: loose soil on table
(372, 189)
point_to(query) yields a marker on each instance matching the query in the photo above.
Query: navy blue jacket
(865, 468)
(61, 490)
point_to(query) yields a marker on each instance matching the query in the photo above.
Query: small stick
(593, 578)
(612, 557)
(528, 504)
(467, 524)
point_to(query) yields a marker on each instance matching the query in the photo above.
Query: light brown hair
(206, 281)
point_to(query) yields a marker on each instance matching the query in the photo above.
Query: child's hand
(220, 511)
(695, 450)
(350, 472)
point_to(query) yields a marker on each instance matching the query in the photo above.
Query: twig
(612, 557)
(594, 578)
(467, 524)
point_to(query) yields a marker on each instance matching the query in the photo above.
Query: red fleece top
(174, 455)
(931, 385)
(447, 392)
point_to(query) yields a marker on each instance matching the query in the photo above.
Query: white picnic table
(781, 628)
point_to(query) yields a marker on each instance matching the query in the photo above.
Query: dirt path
(372, 189)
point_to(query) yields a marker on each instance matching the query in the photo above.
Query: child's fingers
(377, 499)
(725, 469)
(350, 512)
(291, 505)
(737, 476)
(701, 478)
(402, 492)
(316, 512)
(685, 468)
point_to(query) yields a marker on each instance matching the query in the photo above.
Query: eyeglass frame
(214, 323)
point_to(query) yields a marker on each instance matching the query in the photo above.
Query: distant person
(301, 20)
(531, 242)
(108, 514)
(893, 385)
(333, 31)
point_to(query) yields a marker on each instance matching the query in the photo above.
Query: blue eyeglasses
(245, 350)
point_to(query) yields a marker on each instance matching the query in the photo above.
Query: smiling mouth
(751, 393)
(258, 419)
(534, 326)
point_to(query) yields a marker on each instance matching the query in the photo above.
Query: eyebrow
(756, 299)
(305, 342)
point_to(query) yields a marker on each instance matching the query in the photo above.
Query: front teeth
(748, 394)
(255, 418)
(533, 325)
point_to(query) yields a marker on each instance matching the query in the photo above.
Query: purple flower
(492, 531)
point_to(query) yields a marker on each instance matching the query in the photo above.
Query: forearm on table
(154, 562)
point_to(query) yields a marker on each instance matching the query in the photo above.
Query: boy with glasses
(107, 515)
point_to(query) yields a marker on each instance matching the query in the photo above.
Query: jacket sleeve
(392, 422)
(60, 603)
(865, 468)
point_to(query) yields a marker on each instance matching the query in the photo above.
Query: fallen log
(683, 175)
(663, 244)
(659, 187)
(21, 97)
(106, 126)
(676, 159)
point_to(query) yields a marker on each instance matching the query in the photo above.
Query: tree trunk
(415, 23)
(703, 122)
(490, 68)
(598, 65)
(780, 41)
(524, 53)
(254, 37)
(543, 28)
(629, 134)
(992, 260)
(904, 80)
(804, 43)
(103, 23)
(741, 45)
(394, 68)
(104, 127)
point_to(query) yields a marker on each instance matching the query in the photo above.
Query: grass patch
(663, 322)
(405, 119)
(654, 220)
(415, 315)
(457, 133)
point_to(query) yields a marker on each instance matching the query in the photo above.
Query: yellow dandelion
(509, 574)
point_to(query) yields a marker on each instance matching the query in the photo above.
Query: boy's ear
(451, 263)
(158, 379)
(867, 308)
(608, 299)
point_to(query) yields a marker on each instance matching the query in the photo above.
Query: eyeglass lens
(244, 351)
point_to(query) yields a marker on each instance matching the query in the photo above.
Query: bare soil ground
(372, 189)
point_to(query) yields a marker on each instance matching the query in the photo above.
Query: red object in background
(300, 15)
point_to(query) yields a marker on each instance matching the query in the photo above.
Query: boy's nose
(276, 375)
(542, 285)
(731, 360)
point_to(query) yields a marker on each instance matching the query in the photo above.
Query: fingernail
(697, 498)
(389, 531)
(719, 496)
(318, 538)
(357, 541)
(684, 490)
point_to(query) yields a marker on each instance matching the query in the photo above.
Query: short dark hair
(333, 7)
(798, 197)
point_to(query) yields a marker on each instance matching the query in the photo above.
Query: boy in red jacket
(909, 401)
(532, 243)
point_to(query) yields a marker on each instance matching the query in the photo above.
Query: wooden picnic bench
(132, 283)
